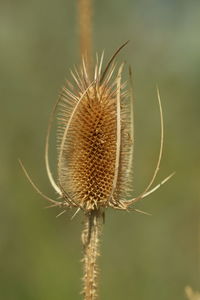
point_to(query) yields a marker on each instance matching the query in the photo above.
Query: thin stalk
(85, 30)
(90, 239)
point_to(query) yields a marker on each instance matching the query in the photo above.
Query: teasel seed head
(94, 144)
(95, 140)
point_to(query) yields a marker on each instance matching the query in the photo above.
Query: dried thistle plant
(95, 153)
(95, 139)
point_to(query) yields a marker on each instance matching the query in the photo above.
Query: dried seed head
(93, 140)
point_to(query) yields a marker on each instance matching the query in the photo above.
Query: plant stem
(90, 239)
(85, 29)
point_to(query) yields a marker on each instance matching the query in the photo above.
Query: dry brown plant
(95, 140)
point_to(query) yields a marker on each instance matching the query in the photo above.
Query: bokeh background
(143, 257)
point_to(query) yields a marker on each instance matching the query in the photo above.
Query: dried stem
(85, 28)
(90, 240)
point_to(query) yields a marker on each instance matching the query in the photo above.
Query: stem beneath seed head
(90, 239)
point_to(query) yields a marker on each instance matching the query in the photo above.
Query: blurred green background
(142, 257)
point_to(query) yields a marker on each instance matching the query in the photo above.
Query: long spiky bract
(95, 153)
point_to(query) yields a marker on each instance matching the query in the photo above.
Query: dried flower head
(95, 141)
